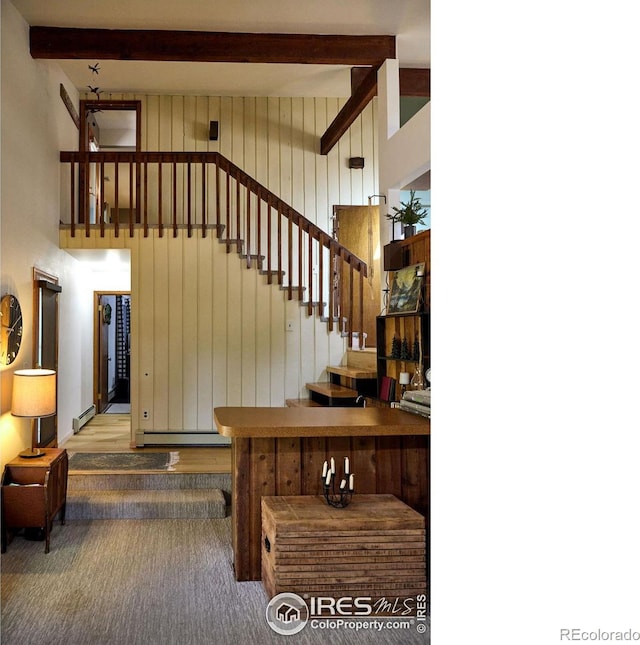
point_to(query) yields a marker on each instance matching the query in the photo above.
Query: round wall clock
(11, 330)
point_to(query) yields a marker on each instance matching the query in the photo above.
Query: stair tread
(302, 403)
(351, 372)
(332, 390)
(96, 481)
(155, 495)
(146, 504)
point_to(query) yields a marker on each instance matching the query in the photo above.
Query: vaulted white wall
(35, 127)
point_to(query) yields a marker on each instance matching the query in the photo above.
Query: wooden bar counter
(280, 451)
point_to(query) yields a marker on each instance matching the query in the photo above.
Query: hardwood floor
(112, 433)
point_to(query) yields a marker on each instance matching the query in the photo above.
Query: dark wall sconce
(213, 130)
(356, 163)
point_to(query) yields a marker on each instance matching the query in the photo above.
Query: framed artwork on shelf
(406, 289)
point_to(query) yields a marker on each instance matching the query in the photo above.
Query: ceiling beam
(364, 86)
(350, 111)
(413, 81)
(201, 46)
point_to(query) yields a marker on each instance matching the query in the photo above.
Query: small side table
(34, 491)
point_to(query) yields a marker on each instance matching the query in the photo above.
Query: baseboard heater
(86, 416)
(184, 438)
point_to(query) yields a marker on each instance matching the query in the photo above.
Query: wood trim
(96, 339)
(200, 46)
(68, 103)
(41, 281)
(109, 105)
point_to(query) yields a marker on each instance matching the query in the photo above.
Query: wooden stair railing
(205, 192)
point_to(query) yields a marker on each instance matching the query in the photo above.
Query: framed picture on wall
(406, 289)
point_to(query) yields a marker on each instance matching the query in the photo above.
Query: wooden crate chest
(376, 547)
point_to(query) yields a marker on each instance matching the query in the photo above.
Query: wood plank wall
(274, 139)
(398, 465)
(207, 331)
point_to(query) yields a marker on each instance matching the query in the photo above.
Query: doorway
(358, 229)
(112, 352)
(108, 191)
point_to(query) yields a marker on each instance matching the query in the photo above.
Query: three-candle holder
(341, 497)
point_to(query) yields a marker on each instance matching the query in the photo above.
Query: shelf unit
(406, 325)
(411, 326)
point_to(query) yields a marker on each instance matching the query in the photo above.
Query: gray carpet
(139, 582)
(123, 460)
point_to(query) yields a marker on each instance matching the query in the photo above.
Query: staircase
(206, 194)
(349, 384)
(147, 496)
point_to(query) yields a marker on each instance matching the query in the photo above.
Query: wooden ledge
(318, 422)
(352, 372)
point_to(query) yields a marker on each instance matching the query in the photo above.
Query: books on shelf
(418, 396)
(417, 402)
(415, 408)
(387, 388)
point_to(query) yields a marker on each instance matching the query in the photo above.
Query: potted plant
(410, 214)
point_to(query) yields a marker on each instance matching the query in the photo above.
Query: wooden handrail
(242, 217)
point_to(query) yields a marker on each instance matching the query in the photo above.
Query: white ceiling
(408, 20)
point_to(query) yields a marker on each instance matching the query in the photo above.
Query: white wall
(35, 127)
(404, 153)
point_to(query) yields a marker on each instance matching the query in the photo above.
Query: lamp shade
(405, 378)
(34, 393)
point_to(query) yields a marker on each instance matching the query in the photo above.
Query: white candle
(350, 482)
(343, 483)
(346, 465)
(327, 481)
(324, 469)
(333, 465)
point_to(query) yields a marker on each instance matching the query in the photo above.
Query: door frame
(97, 339)
(43, 280)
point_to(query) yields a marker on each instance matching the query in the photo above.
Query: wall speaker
(356, 162)
(393, 257)
(213, 130)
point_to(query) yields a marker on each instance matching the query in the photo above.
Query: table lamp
(34, 397)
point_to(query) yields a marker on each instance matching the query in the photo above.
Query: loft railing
(205, 193)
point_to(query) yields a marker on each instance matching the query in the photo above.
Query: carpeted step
(146, 504)
(148, 481)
